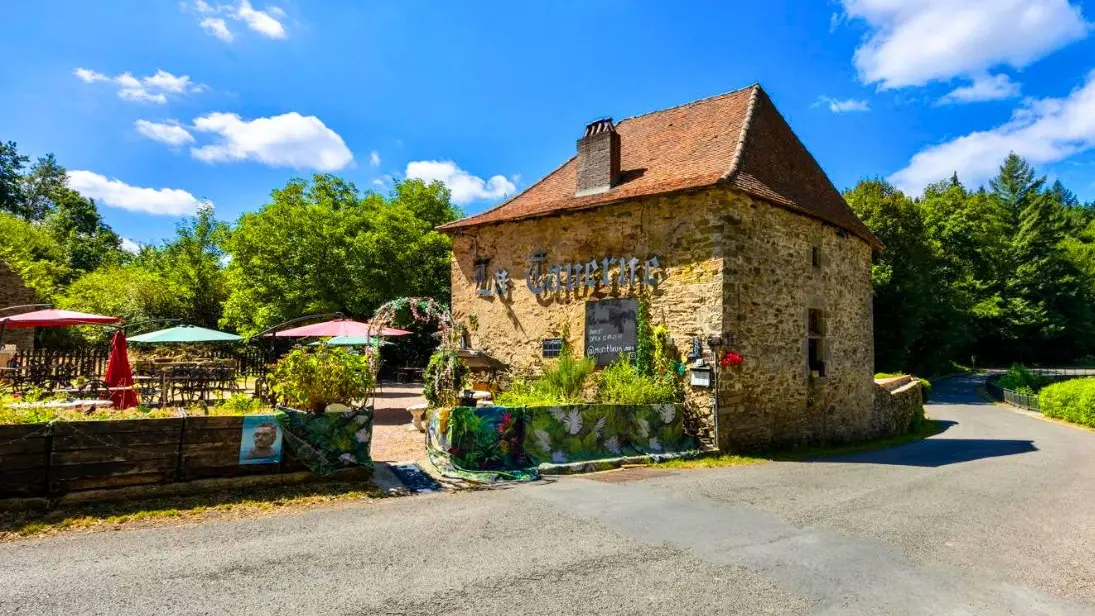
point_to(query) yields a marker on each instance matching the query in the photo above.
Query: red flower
(507, 420)
(730, 358)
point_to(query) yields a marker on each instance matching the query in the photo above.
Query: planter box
(63, 457)
(503, 440)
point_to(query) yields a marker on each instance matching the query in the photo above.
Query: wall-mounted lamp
(697, 349)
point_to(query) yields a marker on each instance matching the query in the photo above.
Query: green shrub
(240, 402)
(444, 378)
(621, 383)
(561, 383)
(310, 380)
(1021, 379)
(1070, 400)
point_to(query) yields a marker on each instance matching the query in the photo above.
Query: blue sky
(153, 105)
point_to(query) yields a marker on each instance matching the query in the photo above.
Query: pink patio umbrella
(51, 318)
(339, 327)
(119, 376)
(55, 318)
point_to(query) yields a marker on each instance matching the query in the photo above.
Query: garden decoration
(326, 442)
(515, 444)
(444, 375)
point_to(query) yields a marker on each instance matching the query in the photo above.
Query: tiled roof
(737, 139)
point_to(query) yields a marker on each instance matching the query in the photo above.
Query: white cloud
(259, 21)
(464, 186)
(150, 89)
(379, 183)
(115, 193)
(130, 246)
(169, 132)
(914, 42)
(263, 22)
(842, 106)
(1042, 131)
(374, 158)
(217, 27)
(287, 140)
(90, 76)
(983, 88)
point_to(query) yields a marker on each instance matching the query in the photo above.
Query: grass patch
(712, 461)
(39, 521)
(923, 429)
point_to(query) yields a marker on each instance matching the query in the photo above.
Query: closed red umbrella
(339, 327)
(119, 375)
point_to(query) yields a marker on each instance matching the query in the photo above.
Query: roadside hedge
(1070, 400)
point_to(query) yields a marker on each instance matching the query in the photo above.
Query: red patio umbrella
(55, 318)
(119, 375)
(339, 327)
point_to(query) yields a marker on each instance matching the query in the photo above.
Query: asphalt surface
(996, 515)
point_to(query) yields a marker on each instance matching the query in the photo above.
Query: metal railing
(1030, 401)
(1015, 398)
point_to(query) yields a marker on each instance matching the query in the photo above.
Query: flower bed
(495, 443)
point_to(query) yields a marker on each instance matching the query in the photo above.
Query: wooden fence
(88, 362)
(55, 459)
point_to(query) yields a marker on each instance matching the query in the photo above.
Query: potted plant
(310, 380)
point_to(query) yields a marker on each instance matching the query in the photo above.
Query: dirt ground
(394, 437)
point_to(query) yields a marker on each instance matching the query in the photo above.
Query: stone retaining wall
(896, 401)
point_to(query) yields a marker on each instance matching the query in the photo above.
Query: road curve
(996, 515)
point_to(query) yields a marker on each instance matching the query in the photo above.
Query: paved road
(994, 516)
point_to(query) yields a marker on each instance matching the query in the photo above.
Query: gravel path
(996, 515)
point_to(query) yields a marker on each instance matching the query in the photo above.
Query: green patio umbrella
(352, 341)
(183, 334)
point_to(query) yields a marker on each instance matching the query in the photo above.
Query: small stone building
(717, 212)
(13, 292)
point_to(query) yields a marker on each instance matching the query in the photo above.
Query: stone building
(717, 212)
(13, 292)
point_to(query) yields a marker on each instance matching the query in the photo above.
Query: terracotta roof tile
(739, 139)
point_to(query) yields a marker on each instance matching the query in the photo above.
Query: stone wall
(770, 281)
(14, 293)
(733, 266)
(678, 229)
(896, 401)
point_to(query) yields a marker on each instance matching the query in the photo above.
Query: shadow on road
(936, 452)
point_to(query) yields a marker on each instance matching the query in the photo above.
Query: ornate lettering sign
(540, 277)
(611, 329)
(604, 273)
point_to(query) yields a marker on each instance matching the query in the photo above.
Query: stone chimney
(598, 158)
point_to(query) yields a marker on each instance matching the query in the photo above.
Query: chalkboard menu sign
(610, 329)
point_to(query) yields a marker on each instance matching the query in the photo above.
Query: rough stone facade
(14, 293)
(733, 266)
(897, 401)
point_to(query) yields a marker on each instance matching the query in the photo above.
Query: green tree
(191, 262)
(86, 241)
(34, 254)
(11, 179)
(322, 246)
(918, 322)
(132, 292)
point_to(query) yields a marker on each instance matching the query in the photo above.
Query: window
(815, 342)
(815, 256)
(553, 347)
